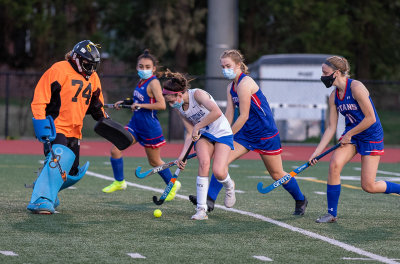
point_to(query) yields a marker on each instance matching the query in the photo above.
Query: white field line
(135, 255)
(262, 258)
(346, 258)
(381, 172)
(331, 241)
(358, 178)
(269, 177)
(8, 253)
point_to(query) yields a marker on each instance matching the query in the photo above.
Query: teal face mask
(229, 74)
(145, 74)
(177, 104)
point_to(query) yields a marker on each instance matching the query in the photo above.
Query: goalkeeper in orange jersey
(65, 93)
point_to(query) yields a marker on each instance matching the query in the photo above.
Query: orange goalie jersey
(67, 96)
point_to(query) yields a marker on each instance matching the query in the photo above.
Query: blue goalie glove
(44, 129)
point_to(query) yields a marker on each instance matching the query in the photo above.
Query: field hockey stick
(152, 171)
(172, 181)
(120, 106)
(293, 173)
(55, 160)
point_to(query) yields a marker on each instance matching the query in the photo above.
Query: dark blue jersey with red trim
(260, 123)
(353, 114)
(144, 119)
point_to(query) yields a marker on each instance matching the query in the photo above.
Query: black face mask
(328, 80)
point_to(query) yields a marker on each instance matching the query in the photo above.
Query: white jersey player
(205, 124)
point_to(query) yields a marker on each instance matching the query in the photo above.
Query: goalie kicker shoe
(327, 218)
(41, 206)
(200, 214)
(115, 186)
(210, 202)
(300, 208)
(173, 191)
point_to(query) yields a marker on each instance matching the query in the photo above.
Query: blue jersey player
(254, 129)
(144, 125)
(363, 134)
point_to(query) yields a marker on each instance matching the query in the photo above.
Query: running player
(144, 125)
(63, 95)
(254, 128)
(363, 134)
(205, 124)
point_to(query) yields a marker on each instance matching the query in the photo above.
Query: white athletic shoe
(230, 198)
(200, 214)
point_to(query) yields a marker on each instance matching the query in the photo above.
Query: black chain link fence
(16, 92)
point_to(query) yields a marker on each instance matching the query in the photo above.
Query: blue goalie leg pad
(56, 203)
(49, 181)
(71, 180)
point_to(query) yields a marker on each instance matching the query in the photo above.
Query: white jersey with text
(197, 112)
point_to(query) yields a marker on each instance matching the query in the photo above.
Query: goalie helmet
(86, 56)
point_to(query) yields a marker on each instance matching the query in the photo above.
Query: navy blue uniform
(259, 133)
(144, 124)
(369, 141)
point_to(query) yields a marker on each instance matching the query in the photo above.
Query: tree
(173, 30)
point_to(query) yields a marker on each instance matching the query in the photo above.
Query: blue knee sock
(293, 188)
(332, 194)
(392, 187)
(118, 168)
(214, 188)
(166, 175)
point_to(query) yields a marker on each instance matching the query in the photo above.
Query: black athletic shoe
(210, 202)
(300, 207)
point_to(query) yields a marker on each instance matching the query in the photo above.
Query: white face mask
(229, 73)
(145, 74)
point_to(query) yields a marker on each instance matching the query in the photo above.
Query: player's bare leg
(369, 167)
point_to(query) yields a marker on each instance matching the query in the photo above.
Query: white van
(297, 97)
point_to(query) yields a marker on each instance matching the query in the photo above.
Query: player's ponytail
(176, 81)
(68, 55)
(147, 55)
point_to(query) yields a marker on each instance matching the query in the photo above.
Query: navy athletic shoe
(300, 207)
(210, 202)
